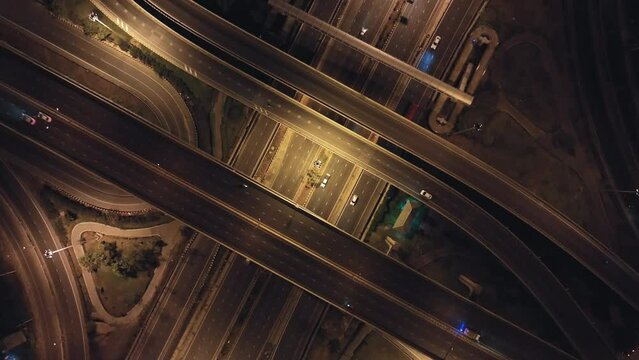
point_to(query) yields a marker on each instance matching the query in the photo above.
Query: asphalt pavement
(300, 152)
(163, 326)
(354, 217)
(170, 156)
(223, 311)
(300, 329)
(169, 109)
(323, 199)
(251, 342)
(254, 146)
(425, 145)
(77, 182)
(452, 205)
(62, 320)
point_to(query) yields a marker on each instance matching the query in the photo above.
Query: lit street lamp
(635, 191)
(94, 17)
(48, 253)
(8, 273)
(476, 127)
(452, 344)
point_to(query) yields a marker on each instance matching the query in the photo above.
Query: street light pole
(452, 343)
(635, 191)
(94, 17)
(8, 273)
(48, 253)
(476, 127)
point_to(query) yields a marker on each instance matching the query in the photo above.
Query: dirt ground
(528, 73)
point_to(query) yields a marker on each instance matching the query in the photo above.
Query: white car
(354, 200)
(44, 116)
(472, 334)
(433, 46)
(28, 119)
(426, 194)
(325, 181)
(363, 31)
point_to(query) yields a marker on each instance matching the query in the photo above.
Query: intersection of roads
(309, 240)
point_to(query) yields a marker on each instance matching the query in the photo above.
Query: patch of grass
(120, 294)
(196, 94)
(65, 213)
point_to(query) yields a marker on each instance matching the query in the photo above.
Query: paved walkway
(170, 234)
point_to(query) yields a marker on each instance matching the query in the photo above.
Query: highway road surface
(163, 327)
(253, 147)
(477, 223)
(278, 256)
(47, 324)
(52, 282)
(36, 22)
(71, 179)
(301, 328)
(251, 341)
(452, 31)
(492, 184)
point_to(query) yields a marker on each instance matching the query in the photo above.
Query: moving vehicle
(426, 194)
(413, 110)
(363, 31)
(426, 61)
(325, 181)
(28, 119)
(44, 116)
(354, 200)
(472, 334)
(433, 46)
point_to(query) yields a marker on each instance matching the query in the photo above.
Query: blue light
(461, 327)
(426, 61)
(10, 356)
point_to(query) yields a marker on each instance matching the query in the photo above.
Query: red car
(29, 119)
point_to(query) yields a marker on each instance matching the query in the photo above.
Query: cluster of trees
(125, 265)
(152, 60)
(313, 178)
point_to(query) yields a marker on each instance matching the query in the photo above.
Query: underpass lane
(160, 332)
(76, 182)
(251, 341)
(300, 328)
(369, 190)
(223, 311)
(396, 279)
(246, 236)
(379, 162)
(476, 174)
